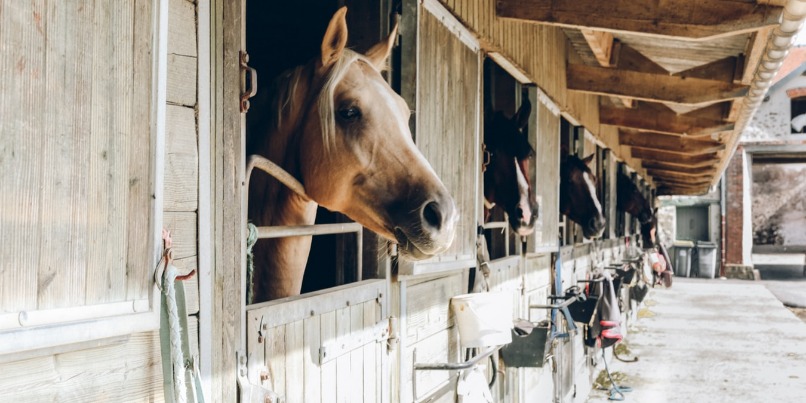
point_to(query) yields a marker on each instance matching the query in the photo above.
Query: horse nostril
(593, 223)
(432, 214)
(519, 213)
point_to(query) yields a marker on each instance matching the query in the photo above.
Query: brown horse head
(342, 131)
(578, 199)
(630, 199)
(649, 230)
(506, 178)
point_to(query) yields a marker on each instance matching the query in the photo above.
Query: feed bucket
(483, 319)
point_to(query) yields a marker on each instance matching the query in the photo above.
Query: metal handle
(251, 82)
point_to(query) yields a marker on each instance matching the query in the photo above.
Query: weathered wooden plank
(662, 120)
(63, 261)
(708, 169)
(294, 367)
(310, 355)
(328, 334)
(344, 373)
(181, 160)
(139, 185)
(275, 352)
(372, 364)
(693, 19)
(356, 383)
(725, 69)
(117, 372)
(601, 44)
(650, 87)
(108, 180)
(669, 142)
(440, 347)
(428, 310)
(182, 28)
(182, 226)
(21, 68)
(675, 158)
(181, 85)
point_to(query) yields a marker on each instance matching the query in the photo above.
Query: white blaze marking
(592, 190)
(523, 190)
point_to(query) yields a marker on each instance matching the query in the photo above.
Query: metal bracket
(251, 81)
(457, 366)
(250, 392)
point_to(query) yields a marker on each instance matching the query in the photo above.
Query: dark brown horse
(578, 199)
(629, 199)
(344, 134)
(506, 172)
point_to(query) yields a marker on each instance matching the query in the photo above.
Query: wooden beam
(753, 53)
(667, 191)
(644, 117)
(668, 142)
(686, 19)
(720, 70)
(625, 57)
(717, 111)
(681, 177)
(674, 158)
(662, 166)
(601, 44)
(650, 87)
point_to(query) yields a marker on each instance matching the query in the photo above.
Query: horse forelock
(325, 98)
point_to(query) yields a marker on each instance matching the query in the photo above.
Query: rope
(251, 239)
(616, 392)
(177, 358)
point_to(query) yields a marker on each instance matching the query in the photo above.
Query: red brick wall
(734, 215)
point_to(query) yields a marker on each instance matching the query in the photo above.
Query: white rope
(177, 357)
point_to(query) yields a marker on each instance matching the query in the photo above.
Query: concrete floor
(714, 341)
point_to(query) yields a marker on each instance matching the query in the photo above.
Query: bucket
(483, 319)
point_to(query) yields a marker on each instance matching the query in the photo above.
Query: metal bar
(458, 366)
(494, 224)
(564, 304)
(307, 230)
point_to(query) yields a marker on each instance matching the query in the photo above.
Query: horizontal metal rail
(460, 365)
(562, 305)
(308, 230)
(494, 224)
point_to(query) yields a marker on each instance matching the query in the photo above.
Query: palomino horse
(343, 133)
(506, 167)
(629, 199)
(578, 199)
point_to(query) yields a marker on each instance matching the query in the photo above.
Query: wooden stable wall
(540, 52)
(79, 77)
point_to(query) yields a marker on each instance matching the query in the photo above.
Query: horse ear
(379, 53)
(335, 38)
(521, 117)
(587, 160)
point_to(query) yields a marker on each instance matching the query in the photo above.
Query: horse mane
(284, 89)
(515, 145)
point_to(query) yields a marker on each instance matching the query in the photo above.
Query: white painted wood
(43, 317)
(205, 217)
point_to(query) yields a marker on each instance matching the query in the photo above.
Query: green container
(527, 350)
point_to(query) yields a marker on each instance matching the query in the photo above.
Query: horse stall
(139, 262)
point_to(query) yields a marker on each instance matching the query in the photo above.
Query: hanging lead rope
(176, 343)
(177, 357)
(251, 239)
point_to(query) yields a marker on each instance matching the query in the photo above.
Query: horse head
(649, 229)
(630, 199)
(357, 155)
(506, 179)
(578, 199)
(339, 128)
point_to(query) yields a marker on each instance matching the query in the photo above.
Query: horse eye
(350, 114)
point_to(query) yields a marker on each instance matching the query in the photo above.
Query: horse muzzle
(430, 230)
